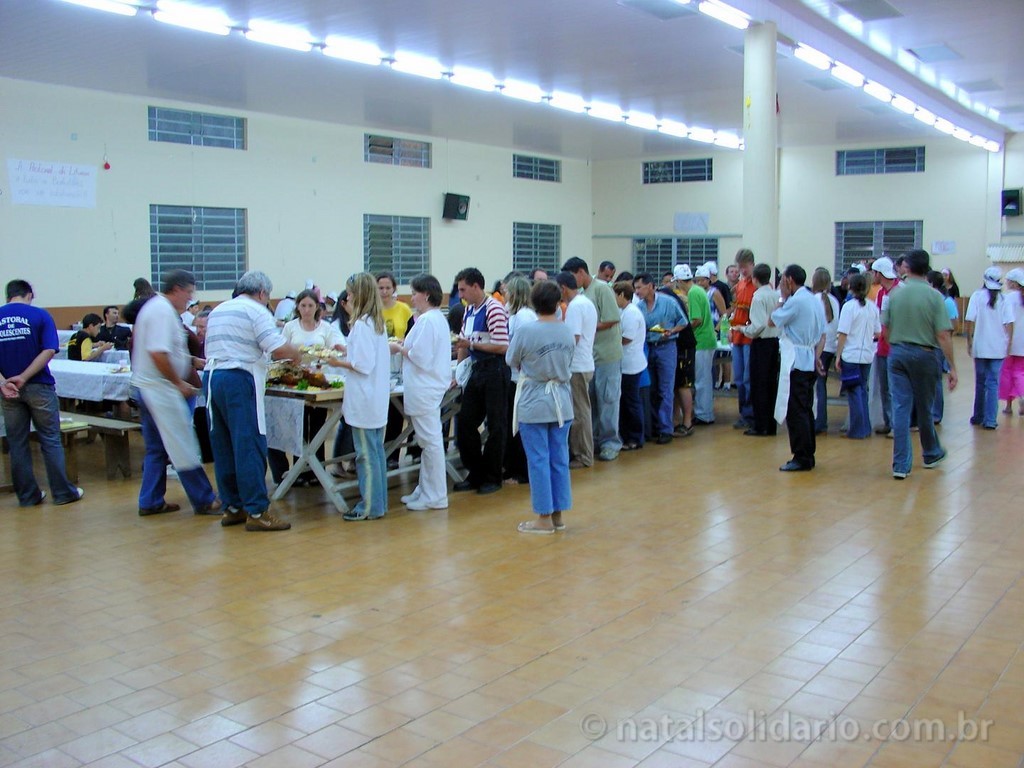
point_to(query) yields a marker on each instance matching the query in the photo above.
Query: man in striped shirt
(484, 338)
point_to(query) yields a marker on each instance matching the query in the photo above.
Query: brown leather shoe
(266, 522)
(233, 517)
(213, 508)
(165, 507)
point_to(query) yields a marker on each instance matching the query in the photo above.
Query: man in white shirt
(285, 308)
(240, 334)
(581, 319)
(160, 365)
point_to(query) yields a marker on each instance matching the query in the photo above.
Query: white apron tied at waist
(258, 371)
(787, 355)
(549, 389)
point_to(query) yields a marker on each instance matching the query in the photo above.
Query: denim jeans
(631, 411)
(239, 450)
(939, 404)
(857, 397)
(882, 381)
(986, 390)
(821, 389)
(154, 464)
(605, 391)
(547, 456)
(913, 372)
(741, 375)
(661, 362)
(372, 471)
(704, 385)
(36, 404)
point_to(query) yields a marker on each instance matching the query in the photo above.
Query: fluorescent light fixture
(992, 146)
(948, 88)
(643, 120)
(923, 115)
(567, 101)
(878, 91)
(724, 13)
(605, 111)
(705, 135)
(906, 59)
(960, 133)
(110, 6)
(728, 140)
(414, 64)
(993, 113)
(812, 56)
(964, 98)
(282, 36)
(352, 50)
(845, 74)
(673, 128)
(190, 17)
(978, 141)
(880, 43)
(473, 78)
(944, 126)
(903, 104)
(517, 89)
(851, 24)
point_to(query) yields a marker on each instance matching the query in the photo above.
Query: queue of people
(556, 373)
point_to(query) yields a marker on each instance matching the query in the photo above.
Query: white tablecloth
(111, 356)
(89, 381)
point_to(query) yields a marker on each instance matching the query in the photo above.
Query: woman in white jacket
(367, 393)
(427, 375)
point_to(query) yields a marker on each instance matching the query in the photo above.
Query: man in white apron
(241, 334)
(801, 318)
(160, 367)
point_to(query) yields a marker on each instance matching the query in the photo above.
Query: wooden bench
(114, 433)
(68, 430)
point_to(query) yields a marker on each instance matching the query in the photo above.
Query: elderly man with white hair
(240, 334)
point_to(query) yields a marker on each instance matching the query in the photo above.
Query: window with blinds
(180, 126)
(674, 171)
(391, 151)
(396, 244)
(536, 168)
(659, 255)
(208, 242)
(536, 246)
(869, 240)
(857, 162)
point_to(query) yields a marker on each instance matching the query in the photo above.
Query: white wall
(305, 186)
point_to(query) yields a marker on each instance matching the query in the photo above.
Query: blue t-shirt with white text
(25, 331)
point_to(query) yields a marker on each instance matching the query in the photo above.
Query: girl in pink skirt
(1011, 378)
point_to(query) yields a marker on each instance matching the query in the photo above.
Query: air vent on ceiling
(869, 10)
(931, 54)
(980, 86)
(662, 9)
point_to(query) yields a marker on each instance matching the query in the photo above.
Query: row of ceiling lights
(294, 38)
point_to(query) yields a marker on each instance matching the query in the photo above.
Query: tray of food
(286, 376)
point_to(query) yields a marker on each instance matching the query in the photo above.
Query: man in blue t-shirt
(28, 340)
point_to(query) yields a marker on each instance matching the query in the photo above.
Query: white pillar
(761, 138)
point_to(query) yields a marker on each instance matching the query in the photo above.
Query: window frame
(884, 160)
(208, 236)
(680, 171)
(536, 168)
(409, 245)
(205, 129)
(392, 150)
(532, 249)
(888, 238)
(671, 251)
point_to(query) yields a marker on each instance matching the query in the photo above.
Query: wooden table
(330, 400)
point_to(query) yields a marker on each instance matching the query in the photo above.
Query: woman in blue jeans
(542, 352)
(858, 331)
(988, 324)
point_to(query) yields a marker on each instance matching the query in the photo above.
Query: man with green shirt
(915, 323)
(704, 331)
(606, 386)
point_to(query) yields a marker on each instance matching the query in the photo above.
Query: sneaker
(608, 454)
(81, 493)
(266, 522)
(936, 461)
(900, 475)
(233, 517)
(412, 497)
(353, 516)
(421, 506)
(661, 440)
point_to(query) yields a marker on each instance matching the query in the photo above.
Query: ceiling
(688, 68)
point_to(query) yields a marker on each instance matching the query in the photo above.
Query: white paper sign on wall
(691, 223)
(943, 247)
(37, 182)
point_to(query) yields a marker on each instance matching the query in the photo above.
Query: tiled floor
(829, 619)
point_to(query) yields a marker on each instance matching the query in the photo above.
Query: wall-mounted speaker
(456, 207)
(1011, 202)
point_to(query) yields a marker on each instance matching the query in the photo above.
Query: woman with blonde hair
(520, 312)
(367, 394)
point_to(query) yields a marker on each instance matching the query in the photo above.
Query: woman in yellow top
(396, 313)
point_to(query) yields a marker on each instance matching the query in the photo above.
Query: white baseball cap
(703, 271)
(993, 278)
(333, 296)
(682, 272)
(712, 267)
(885, 267)
(1016, 275)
